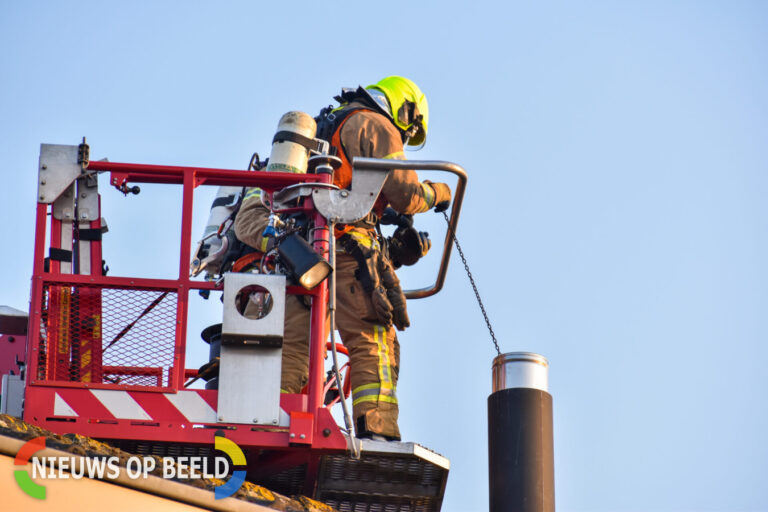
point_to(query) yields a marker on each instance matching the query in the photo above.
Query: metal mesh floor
(389, 477)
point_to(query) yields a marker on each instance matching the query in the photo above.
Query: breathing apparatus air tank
(290, 146)
(210, 252)
(221, 208)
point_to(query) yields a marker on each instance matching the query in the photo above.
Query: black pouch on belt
(394, 293)
(368, 275)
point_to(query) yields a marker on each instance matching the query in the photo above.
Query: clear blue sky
(615, 218)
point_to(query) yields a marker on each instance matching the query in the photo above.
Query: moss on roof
(76, 444)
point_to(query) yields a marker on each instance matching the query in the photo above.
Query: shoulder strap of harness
(330, 118)
(352, 248)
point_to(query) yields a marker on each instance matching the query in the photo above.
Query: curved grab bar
(458, 197)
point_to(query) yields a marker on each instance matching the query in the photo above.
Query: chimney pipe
(520, 446)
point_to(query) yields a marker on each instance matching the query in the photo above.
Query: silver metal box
(236, 329)
(251, 357)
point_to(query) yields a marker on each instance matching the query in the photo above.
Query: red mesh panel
(107, 335)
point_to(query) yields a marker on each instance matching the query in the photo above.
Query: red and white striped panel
(193, 406)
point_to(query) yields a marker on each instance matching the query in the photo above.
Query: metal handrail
(458, 197)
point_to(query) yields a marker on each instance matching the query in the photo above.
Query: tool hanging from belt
(378, 278)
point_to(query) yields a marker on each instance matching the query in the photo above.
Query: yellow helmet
(408, 106)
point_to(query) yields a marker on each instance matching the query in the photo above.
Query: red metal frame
(312, 426)
(344, 371)
(133, 371)
(14, 349)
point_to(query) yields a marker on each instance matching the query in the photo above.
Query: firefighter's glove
(267, 243)
(395, 294)
(209, 370)
(407, 246)
(382, 306)
(392, 218)
(442, 195)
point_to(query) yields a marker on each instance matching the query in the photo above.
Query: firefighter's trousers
(374, 352)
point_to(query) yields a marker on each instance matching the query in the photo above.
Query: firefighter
(377, 122)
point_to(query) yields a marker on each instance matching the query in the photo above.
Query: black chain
(472, 282)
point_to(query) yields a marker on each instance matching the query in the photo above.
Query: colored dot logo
(237, 479)
(22, 477)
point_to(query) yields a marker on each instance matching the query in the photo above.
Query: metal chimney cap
(520, 370)
(520, 356)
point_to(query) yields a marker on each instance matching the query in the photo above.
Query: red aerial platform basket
(105, 354)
